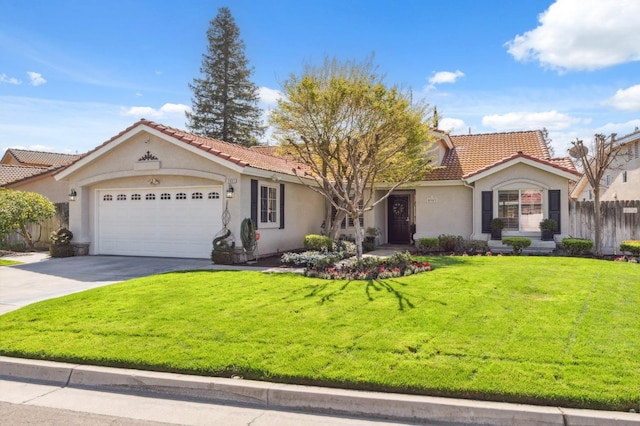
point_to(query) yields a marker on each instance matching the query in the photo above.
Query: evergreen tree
(224, 99)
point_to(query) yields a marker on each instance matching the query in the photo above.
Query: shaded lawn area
(543, 330)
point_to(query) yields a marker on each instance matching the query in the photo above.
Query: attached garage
(164, 222)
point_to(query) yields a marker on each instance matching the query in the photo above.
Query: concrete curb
(396, 407)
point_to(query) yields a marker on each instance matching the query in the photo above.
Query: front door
(398, 214)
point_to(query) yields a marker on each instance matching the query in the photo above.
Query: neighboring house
(33, 171)
(506, 175)
(157, 191)
(622, 180)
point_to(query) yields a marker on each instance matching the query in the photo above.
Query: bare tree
(594, 165)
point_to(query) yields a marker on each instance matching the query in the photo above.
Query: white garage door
(178, 222)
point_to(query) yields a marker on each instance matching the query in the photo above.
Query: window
(268, 204)
(624, 176)
(213, 195)
(521, 209)
(165, 196)
(181, 196)
(607, 180)
(121, 197)
(150, 197)
(135, 197)
(196, 196)
(107, 197)
(636, 149)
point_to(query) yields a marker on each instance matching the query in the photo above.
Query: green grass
(544, 330)
(6, 262)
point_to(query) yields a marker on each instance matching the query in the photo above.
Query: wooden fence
(620, 221)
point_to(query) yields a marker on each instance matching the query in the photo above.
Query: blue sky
(73, 73)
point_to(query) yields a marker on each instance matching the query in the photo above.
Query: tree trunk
(26, 235)
(356, 222)
(597, 238)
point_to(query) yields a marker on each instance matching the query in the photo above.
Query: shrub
(474, 246)
(450, 243)
(317, 242)
(61, 243)
(428, 244)
(576, 246)
(548, 225)
(496, 224)
(368, 246)
(310, 258)
(518, 243)
(632, 246)
(346, 248)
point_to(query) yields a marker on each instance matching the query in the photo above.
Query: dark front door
(398, 214)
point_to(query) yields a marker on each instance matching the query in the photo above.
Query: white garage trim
(164, 222)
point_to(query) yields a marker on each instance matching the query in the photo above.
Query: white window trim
(276, 223)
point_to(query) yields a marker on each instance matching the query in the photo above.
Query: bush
(632, 246)
(450, 243)
(475, 246)
(518, 243)
(368, 246)
(317, 242)
(347, 248)
(576, 246)
(428, 244)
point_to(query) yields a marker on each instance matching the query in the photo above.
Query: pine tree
(225, 100)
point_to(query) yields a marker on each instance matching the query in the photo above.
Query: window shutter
(487, 211)
(282, 206)
(254, 202)
(555, 208)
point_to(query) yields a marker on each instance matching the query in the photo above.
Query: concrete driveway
(41, 277)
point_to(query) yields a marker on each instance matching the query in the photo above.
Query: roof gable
(235, 155)
(483, 153)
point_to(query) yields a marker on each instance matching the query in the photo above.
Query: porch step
(537, 247)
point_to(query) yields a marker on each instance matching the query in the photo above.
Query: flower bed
(369, 268)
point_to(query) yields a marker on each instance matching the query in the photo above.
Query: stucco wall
(56, 192)
(443, 210)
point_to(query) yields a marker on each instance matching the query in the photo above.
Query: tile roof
(39, 158)
(234, 153)
(10, 173)
(473, 154)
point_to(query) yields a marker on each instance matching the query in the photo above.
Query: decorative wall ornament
(148, 157)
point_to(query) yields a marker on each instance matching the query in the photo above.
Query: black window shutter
(487, 211)
(555, 208)
(282, 206)
(254, 202)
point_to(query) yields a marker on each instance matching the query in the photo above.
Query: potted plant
(496, 226)
(372, 232)
(548, 227)
(61, 243)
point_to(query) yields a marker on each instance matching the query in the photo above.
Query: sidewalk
(309, 399)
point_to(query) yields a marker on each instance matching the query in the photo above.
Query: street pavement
(41, 392)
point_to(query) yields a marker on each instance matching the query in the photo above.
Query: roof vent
(520, 152)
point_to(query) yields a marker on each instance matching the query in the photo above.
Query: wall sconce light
(230, 192)
(73, 195)
(153, 181)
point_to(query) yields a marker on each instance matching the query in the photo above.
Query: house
(153, 190)
(621, 180)
(33, 171)
(480, 177)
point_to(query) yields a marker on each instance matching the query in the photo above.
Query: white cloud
(445, 77)
(552, 120)
(626, 99)
(269, 96)
(453, 125)
(36, 78)
(165, 111)
(582, 35)
(11, 80)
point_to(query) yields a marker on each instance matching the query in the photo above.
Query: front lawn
(7, 262)
(547, 330)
